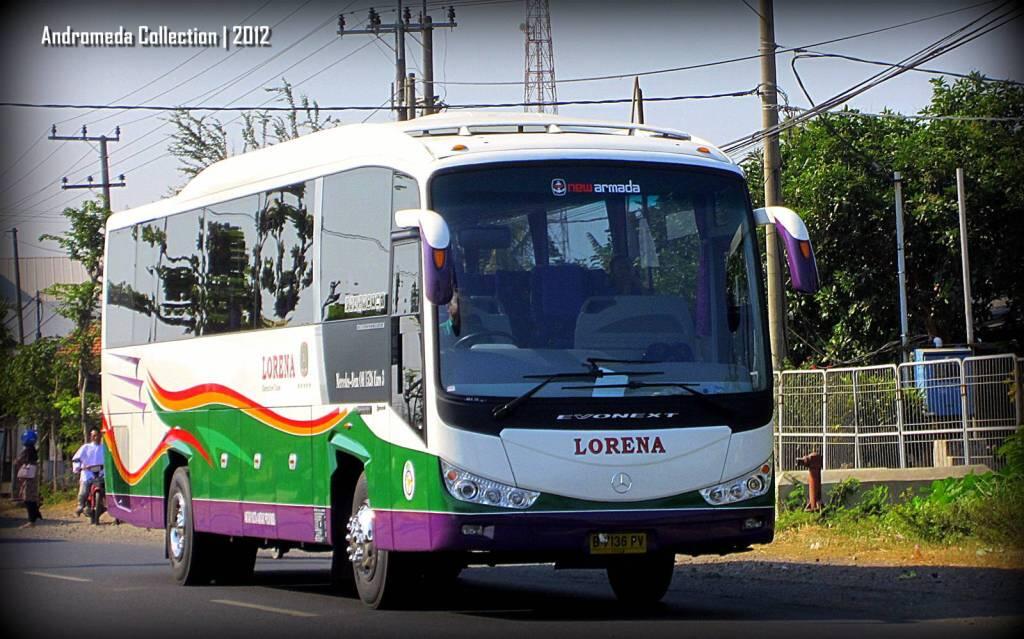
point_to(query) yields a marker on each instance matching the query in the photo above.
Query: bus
(458, 340)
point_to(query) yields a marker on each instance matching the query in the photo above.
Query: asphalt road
(69, 588)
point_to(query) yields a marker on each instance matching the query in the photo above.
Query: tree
(80, 302)
(837, 173)
(199, 142)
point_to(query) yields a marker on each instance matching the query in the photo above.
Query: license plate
(618, 543)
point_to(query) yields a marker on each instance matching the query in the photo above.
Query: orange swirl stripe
(173, 435)
(208, 394)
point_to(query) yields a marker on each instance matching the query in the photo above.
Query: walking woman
(27, 464)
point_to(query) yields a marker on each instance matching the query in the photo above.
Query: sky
(590, 38)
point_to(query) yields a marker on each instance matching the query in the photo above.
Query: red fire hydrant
(812, 463)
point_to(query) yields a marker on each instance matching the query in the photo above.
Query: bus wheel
(375, 571)
(186, 548)
(642, 580)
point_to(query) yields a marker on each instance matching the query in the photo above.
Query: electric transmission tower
(539, 80)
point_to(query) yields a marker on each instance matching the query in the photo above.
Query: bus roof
(414, 146)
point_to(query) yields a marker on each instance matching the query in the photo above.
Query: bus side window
(407, 335)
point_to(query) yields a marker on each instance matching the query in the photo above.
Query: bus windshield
(643, 278)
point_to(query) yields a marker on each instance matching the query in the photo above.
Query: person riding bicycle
(88, 456)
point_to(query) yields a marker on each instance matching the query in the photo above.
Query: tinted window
(181, 309)
(229, 284)
(120, 276)
(407, 327)
(285, 242)
(355, 237)
(144, 297)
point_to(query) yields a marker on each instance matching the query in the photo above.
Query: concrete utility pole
(17, 289)
(39, 317)
(772, 162)
(636, 115)
(901, 266)
(965, 259)
(400, 100)
(105, 182)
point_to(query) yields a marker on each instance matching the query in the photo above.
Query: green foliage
(199, 142)
(796, 499)
(1012, 452)
(84, 242)
(987, 507)
(837, 173)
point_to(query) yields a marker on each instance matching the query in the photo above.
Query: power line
(632, 74)
(903, 116)
(945, 44)
(808, 53)
(354, 107)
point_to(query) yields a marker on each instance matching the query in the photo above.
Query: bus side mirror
(438, 280)
(803, 269)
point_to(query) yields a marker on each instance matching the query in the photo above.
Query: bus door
(407, 386)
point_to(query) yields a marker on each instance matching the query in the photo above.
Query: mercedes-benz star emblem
(621, 483)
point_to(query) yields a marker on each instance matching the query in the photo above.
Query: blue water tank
(941, 384)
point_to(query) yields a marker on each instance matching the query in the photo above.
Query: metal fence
(947, 412)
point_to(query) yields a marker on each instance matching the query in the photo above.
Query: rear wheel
(376, 572)
(95, 497)
(642, 580)
(189, 551)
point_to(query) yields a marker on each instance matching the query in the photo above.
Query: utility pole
(901, 266)
(39, 317)
(17, 288)
(636, 114)
(772, 162)
(105, 182)
(539, 91)
(404, 109)
(965, 260)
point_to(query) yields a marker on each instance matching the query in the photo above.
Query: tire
(642, 580)
(94, 511)
(189, 551)
(377, 573)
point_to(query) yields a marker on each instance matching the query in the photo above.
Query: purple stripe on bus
(146, 512)
(133, 402)
(292, 523)
(561, 532)
(127, 358)
(137, 383)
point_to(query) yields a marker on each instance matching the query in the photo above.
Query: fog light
(470, 529)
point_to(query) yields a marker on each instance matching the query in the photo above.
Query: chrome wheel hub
(360, 548)
(176, 534)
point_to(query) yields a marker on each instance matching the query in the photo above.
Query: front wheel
(375, 571)
(642, 580)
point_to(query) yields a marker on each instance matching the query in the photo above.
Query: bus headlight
(748, 486)
(466, 486)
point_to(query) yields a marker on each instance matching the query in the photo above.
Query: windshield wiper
(689, 388)
(506, 409)
(592, 362)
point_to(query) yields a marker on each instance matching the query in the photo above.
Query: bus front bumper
(685, 531)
